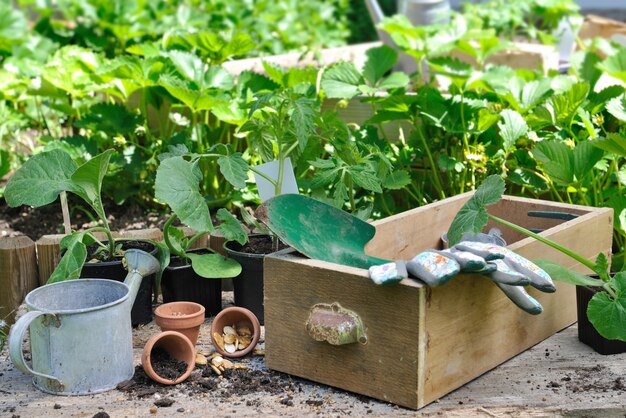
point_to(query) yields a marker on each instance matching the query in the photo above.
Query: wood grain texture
(153, 234)
(202, 242)
(457, 331)
(18, 273)
(598, 26)
(385, 367)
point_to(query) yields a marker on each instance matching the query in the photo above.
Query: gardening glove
(388, 273)
(511, 267)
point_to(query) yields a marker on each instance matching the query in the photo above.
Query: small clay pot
(177, 346)
(239, 317)
(184, 317)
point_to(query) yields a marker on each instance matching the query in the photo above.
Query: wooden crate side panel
(456, 312)
(598, 26)
(471, 327)
(406, 234)
(385, 368)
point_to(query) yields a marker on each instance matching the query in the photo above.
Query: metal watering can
(80, 331)
(419, 12)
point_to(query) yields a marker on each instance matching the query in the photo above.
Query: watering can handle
(16, 339)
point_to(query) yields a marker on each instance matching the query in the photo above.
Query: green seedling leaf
(617, 107)
(379, 60)
(234, 169)
(608, 315)
(512, 127)
(397, 180)
(613, 143)
(564, 165)
(472, 217)
(615, 65)
(230, 227)
(177, 185)
(87, 180)
(73, 259)
(214, 266)
(303, 119)
(364, 177)
(40, 180)
(341, 81)
(602, 265)
(395, 80)
(177, 239)
(599, 100)
(563, 274)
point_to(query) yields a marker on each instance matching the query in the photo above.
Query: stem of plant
(66, 214)
(166, 236)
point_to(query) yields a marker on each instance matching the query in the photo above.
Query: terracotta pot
(177, 346)
(238, 317)
(184, 317)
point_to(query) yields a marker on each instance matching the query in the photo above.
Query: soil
(259, 244)
(166, 366)
(96, 253)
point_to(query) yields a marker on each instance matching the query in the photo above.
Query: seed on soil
(201, 360)
(216, 370)
(227, 364)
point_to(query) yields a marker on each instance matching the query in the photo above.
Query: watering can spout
(139, 265)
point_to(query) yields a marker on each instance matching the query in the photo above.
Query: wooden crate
(422, 343)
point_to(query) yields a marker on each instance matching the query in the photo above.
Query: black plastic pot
(181, 283)
(248, 286)
(141, 313)
(587, 333)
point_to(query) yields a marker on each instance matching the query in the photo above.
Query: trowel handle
(16, 340)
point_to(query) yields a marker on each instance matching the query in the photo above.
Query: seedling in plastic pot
(40, 181)
(607, 309)
(178, 184)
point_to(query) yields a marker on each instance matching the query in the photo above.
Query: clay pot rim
(248, 316)
(146, 364)
(200, 312)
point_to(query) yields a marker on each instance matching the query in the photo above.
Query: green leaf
(602, 264)
(614, 143)
(40, 180)
(535, 92)
(5, 162)
(615, 65)
(87, 180)
(177, 185)
(395, 80)
(319, 163)
(608, 315)
(234, 169)
(230, 227)
(379, 60)
(563, 274)
(598, 101)
(512, 127)
(451, 67)
(214, 266)
(177, 239)
(73, 259)
(189, 94)
(564, 165)
(617, 107)
(341, 81)
(188, 65)
(274, 72)
(303, 118)
(397, 180)
(365, 178)
(472, 217)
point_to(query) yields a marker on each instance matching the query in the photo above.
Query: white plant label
(267, 189)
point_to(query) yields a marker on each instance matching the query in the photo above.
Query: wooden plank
(598, 26)
(350, 53)
(18, 267)
(153, 234)
(385, 367)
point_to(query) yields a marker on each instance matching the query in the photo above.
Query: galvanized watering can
(80, 331)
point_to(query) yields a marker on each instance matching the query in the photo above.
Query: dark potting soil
(233, 382)
(262, 244)
(96, 252)
(166, 366)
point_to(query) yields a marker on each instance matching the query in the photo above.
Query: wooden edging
(18, 273)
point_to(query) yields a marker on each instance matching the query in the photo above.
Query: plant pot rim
(246, 316)
(158, 311)
(242, 254)
(118, 258)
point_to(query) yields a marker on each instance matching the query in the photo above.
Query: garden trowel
(319, 230)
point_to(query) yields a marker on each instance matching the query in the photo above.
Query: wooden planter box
(422, 343)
